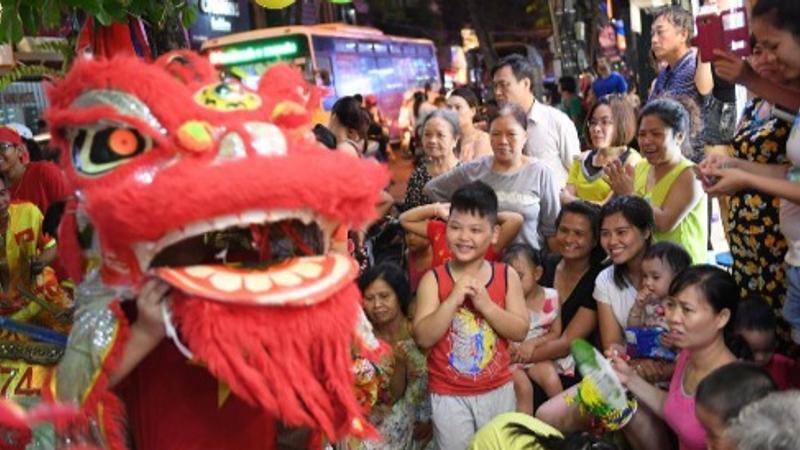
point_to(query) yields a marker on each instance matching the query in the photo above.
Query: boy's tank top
(471, 358)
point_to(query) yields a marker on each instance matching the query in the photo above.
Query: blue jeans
(791, 307)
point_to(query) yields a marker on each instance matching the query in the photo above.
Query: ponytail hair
(352, 115)
(721, 292)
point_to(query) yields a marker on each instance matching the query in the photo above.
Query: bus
(344, 59)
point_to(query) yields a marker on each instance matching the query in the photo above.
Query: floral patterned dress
(757, 245)
(416, 182)
(396, 422)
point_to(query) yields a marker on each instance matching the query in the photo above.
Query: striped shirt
(678, 80)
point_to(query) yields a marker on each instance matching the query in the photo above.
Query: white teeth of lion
(304, 215)
(223, 222)
(277, 215)
(252, 217)
(226, 282)
(200, 271)
(307, 216)
(307, 269)
(145, 251)
(198, 228)
(286, 279)
(257, 282)
(171, 238)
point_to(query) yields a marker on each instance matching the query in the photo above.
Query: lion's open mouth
(255, 257)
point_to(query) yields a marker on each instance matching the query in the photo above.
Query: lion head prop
(222, 192)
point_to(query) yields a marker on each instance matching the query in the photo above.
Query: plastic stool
(724, 259)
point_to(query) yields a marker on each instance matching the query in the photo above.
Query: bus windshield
(248, 60)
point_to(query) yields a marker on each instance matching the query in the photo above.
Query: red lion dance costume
(167, 159)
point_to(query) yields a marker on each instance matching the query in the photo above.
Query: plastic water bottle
(600, 393)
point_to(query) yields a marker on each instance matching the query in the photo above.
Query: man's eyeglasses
(6, 146)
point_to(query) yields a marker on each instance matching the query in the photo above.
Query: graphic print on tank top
(474, 343)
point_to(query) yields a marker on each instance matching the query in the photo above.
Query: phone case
(735, 31)
(709, 35)
(727, 31)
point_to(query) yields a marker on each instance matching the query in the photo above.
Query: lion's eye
(96, 151)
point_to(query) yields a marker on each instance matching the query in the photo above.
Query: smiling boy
(467, 309)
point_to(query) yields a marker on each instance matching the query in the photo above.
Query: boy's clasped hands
(469, 287)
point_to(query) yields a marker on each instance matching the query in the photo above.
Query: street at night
(400, 224)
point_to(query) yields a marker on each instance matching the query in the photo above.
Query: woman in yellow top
(665, 177)
(611, 126)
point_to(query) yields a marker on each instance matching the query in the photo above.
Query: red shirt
(414, 274)
(784, 371)
(173, 404)
(471, 358)
(42, 184)
(437, 234)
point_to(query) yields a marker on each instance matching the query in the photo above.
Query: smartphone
(726, 30)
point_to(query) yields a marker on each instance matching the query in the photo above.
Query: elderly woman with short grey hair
(440, 133)
(768, 424)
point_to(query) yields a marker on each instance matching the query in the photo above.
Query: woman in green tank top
(665, 177)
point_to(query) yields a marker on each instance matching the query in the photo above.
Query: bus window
(365, 47)
(323, 44)
(344, 46)
(368, 64)
(405, 67)
(349, 76)
(324, 70)
(389, 75)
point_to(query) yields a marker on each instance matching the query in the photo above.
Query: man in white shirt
(552, 137)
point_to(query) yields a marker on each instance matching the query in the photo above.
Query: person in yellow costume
(25, 251)
(666, 179)
(518, 431)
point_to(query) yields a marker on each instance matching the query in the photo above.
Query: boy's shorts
(457, 418)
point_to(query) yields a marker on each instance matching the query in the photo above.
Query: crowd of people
(535, 225)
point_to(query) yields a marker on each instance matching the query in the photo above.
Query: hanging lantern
(274, 4)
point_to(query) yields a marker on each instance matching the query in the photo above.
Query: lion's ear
(188, 67)
(283, 87)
